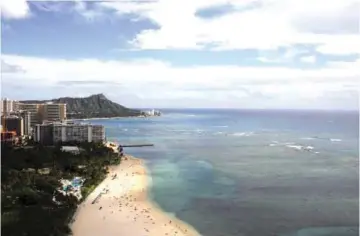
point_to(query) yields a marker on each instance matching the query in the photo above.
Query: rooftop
(12, 117)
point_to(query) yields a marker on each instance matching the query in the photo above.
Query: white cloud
(89, 14)
(289, 55)
(149, 81)
(308, 59)
(14, 9)
(333, 25)
(330, 25)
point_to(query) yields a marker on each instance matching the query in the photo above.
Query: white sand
(125, 209)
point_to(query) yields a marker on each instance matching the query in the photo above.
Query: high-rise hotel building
(7, 106)
(53, 111)
(33, 109)
(62, 132)
(45, 112)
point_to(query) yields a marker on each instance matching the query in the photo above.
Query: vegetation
(26, 192)
(93, 106)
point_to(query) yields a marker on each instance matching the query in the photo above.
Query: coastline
(126, 208)
(103, 118)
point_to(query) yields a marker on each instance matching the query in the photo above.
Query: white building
(79, 132)
(62, 132)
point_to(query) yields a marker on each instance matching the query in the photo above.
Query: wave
(289, 143)
(218, 133)
(238, 134)
(308, 138)
(187, 131)
(275, 143)
(300, 147)
(179, 130)
(199, 131)
(297, 147)
(243, 134)
(335, 140)
(320, 138)
(292, 145)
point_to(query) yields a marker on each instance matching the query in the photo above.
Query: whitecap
(245, 134)
(335, 140)
(221, 126)
(179, 130)
(289, 143)
(297, 147)
(199, 131)
(307, 138)
(300, 148)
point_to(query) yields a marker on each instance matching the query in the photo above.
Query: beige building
(7, 106)
(62, 132)
(45, 112)
(53, 111)
(33, 109)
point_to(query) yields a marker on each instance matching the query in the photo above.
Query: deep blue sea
(256, 173)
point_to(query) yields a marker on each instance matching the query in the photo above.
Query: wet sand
(124, 208)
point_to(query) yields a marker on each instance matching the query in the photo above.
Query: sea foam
(244, 134)
(335, 140)
(300, 147)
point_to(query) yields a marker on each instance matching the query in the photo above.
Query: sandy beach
(124, 208)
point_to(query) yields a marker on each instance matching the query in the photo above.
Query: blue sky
(171, 53)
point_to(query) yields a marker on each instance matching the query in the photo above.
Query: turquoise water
(230, 172)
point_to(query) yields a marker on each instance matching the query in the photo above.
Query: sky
(258, 54)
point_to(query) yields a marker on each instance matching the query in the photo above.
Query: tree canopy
(26, 191)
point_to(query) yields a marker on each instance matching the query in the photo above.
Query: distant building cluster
(45, 123)
(44, 112)
(151, 113)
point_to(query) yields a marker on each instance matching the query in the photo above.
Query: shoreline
(126, 209)
(103, 118)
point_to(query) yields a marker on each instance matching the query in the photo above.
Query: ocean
(251, 172)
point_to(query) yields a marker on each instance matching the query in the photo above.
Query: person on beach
(121, 153)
